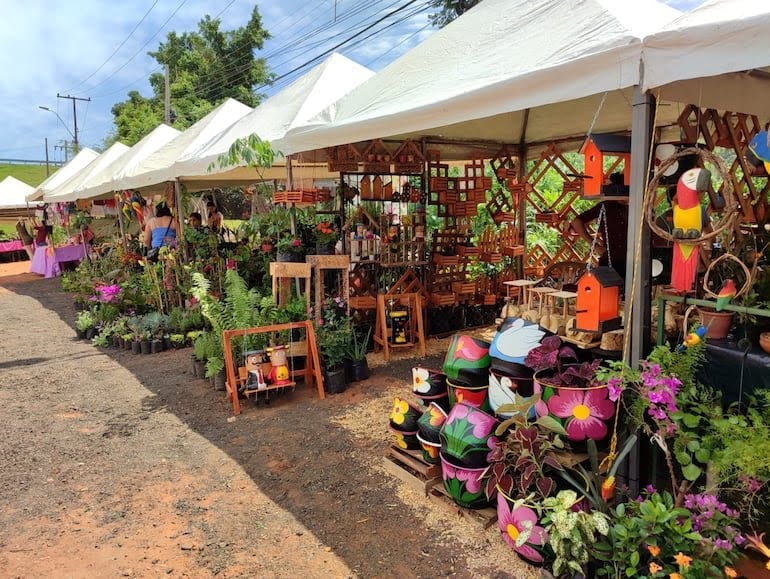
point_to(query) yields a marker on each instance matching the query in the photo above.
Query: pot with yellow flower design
(404, 415)
(430, 423)
(405, 440)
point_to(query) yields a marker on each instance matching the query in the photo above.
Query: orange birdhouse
(598, 299)
(606, 154)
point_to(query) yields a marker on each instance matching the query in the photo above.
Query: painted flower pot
(430, 450)
(430, 423)
(465, 485)
(404, 415)
(586, 413)
(405, 440)
(428, 384)
(501, 393)
(474, 395)
(520, 529)
(467, 360)
(467, 436)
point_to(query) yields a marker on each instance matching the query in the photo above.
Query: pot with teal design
(465, 485)
(430, 423)
(428, 384)
(405, 440)
(404, 415)
(430, 450)
(467, 437)
(585, 412)
(467, 360)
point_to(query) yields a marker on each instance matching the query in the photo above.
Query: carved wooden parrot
(726, 294)
(689, 219)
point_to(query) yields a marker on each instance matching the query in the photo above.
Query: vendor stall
(47, 261)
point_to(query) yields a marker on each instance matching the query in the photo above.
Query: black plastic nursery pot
(136, 347)
(335, 381)
(145, 346)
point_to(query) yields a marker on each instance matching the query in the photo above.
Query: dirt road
(116, 465)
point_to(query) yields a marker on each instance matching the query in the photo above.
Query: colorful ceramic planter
(467, 436)
(404, 415)
(430, 423)
(428, 384)
(586, 413)
(467, 360)
(465, 485)
(405, 440)
(430, 450)
(474, 395)
(501, 393)
(513, 522)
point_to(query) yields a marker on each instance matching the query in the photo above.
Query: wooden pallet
(409, 467)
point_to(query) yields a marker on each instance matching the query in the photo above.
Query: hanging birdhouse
(598, 300)
(616, 151)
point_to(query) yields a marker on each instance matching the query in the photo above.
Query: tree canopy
(448, 10)
(205, 67)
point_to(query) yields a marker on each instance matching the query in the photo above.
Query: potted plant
(85, 322)
(570, 393)
(290, 248)
(333, 346)
(200, 348)
(326, 237)
(359, 344)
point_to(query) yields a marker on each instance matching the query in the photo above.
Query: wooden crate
(301, 196)
(467, 250)
(439, 299)
(485, 517)
(409, 467)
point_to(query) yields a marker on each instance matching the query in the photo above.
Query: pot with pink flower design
(585, 412)
(467, 437)
(519, 527)
(467, 361)
(465, 485)
(404, 415)
(429, 385)
(430, 423)
(430, 450)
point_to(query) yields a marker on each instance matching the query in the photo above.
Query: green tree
(205, 67)
(448, 10)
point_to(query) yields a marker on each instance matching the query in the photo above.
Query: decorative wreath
(729, 214)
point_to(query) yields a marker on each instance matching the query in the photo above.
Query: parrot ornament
(726, 294)
(693, 338)
(689, 219)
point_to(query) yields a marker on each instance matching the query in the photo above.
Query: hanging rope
(613, 451)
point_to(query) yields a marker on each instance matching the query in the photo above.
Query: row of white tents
(508, 71)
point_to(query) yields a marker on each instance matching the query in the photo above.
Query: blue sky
(57, 46)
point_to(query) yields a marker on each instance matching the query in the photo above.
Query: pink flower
(520, 529)
(584, 410)
(296, 243)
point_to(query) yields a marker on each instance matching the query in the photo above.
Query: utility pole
(47, 166)
(65, 146)
(167, 95)
(75, 143)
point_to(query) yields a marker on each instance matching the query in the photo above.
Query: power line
(121, 67)
(130, 34)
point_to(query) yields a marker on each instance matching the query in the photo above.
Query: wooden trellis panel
(505, 166)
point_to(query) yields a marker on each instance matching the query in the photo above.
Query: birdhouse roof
(606, 276)
(609, 142)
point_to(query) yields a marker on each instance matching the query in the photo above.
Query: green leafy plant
(85, 320)
(359, 344)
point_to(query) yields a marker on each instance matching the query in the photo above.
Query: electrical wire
(114, 52)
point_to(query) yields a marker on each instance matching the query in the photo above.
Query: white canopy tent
(506, 71)
(72, 168)
(271, 120)
(109, 179)
(13, 193)
(716, 56)
(70, 189)
(159, 167)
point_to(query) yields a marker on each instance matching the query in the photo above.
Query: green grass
(30, 174)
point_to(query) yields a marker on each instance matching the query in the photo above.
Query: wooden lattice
(343, 158)
(505, 166)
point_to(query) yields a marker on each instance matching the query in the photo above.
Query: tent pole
(179, 216)
(522, 216)
(638, 327)
(121, 222)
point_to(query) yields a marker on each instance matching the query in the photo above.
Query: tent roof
(716, 55)
(501, 57)
(109, 179)
(159, 167)
(83, 158)
(13, 193)
(70, 189)
(272, 119)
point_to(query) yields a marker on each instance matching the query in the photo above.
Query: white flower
(420, 380)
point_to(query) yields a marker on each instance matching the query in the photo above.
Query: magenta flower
(471, 477)
(584, 410)
(520, 529)
(296, 243)
(615, 388)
